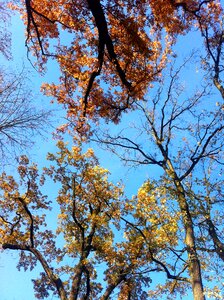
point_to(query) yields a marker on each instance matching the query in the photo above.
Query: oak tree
(115, 57)
(90, 208)
(183, 138)
(110, 52)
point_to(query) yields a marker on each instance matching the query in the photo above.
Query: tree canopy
(122, 60)
(111, 52)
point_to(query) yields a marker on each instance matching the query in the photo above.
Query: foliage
(120, 57)
(111, 52)
(90, 207)
(101, 230)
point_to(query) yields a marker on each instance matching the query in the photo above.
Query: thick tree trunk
(193, 260)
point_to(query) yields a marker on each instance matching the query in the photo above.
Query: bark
(194, 266)
(193, 260)
(219, 86)
(76, 282)
(219, 246)
(111, 287)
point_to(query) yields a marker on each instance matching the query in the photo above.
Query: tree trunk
(193, 260)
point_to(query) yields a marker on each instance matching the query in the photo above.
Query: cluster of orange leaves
(142, 34)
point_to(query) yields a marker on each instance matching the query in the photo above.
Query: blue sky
(16, 285)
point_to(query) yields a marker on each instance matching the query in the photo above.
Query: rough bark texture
(193, 260)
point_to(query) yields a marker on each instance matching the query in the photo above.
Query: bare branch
(19, 119)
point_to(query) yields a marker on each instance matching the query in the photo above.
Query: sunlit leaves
(155, 210)
(96, 227)
(90, 209)
(109, 53)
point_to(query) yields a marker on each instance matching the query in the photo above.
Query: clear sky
(16, 285)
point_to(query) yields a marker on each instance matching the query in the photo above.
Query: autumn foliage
(118, 57)
(90, 208)
(110, 53)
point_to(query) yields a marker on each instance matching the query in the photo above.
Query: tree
(20, 120)
(115, 50)
(121, 59)
(185, 140)
(5, 37)
(90, 206)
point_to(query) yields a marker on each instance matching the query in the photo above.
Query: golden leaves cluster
(153, 206)
(96, 224)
